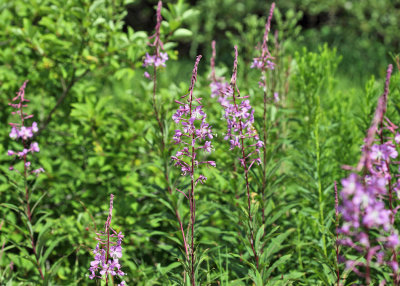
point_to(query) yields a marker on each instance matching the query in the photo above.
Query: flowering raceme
(195, 133)
(22, 132)
(107, 252)
(159, 58)
(265, 61)
(240, 120)
(365, 197)
(219, 86)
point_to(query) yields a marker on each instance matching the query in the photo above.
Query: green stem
(320, 195)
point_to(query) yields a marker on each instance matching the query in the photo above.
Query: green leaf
(41, 241)
(182, 34)
(12, 207)
(54, 268)
(52, 245)
(37, 202)
(275, 245)
(255, 276)
(258, 243)
(280, 261)
(167, 269)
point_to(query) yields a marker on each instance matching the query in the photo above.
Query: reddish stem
(108, 223)
(264, 178)
(192, 202)
(250, 222)
(28, 208)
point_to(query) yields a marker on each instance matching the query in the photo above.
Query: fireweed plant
(194, 135)
(158, 61)
(264, 63)
(22, 132)
(243, 136)
(367, 195)
(107, 252)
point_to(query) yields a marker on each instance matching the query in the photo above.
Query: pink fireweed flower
(276, 97)
(397, 138)
(20, 131)
(108, 251)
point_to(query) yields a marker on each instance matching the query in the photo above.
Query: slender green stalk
(319, 179)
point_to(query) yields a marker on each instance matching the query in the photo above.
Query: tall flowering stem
(20, 131)
(265, 63)
(392, 128)
(242, 135)
(365, 196)
(107, 252)
(156, 61)
(194, 135)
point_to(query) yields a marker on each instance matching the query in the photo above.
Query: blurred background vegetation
(364, 32)
(98, 135)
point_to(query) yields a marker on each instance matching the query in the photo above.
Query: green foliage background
(99, 135)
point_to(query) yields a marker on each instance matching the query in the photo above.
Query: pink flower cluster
(363, 207)
(107, 252)
(159, 58)
(367, 198)
(265, 62)
(240, 120)
(219, 86)
(110, 266)
(155, 60)
(195, 133)
(22, 132)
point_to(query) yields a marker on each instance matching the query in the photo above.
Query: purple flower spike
(108, 251)
(219, 86)
(19, 131)
(240, 120)
(367, 199)
(159, 58)
(264, 62)
(195, 132)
